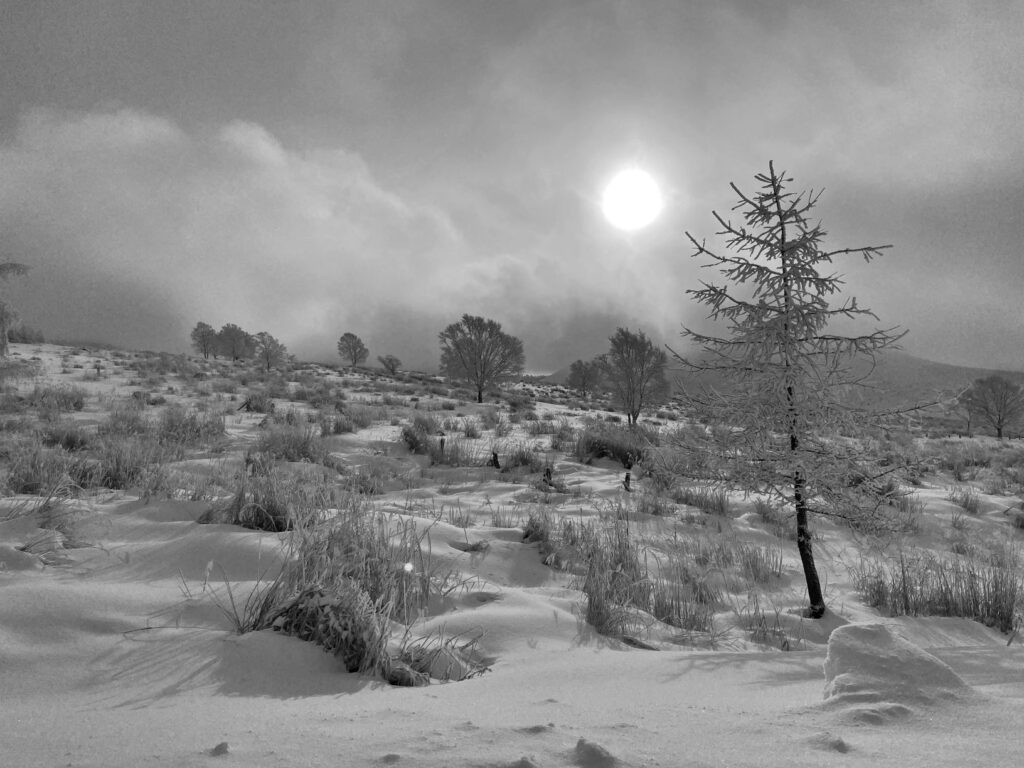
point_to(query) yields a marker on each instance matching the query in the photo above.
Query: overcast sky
(380, 167)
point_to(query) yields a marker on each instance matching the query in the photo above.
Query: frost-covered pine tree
(789, 377)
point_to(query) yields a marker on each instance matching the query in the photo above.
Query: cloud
(137, 229)
(229, 227)
(400, 169)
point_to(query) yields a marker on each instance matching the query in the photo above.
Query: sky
(382, 167)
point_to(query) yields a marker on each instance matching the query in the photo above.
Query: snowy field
(115, 649)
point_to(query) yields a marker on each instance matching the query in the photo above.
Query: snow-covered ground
(117, 654)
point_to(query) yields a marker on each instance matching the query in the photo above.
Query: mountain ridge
(899, 377)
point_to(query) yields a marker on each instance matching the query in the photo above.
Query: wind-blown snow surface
(118, 657)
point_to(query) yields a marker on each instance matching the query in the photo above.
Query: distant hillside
(899, 379)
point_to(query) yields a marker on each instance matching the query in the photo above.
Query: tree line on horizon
(476, 350)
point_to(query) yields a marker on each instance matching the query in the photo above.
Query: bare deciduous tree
(635, 371)
(584, 376)
(270, 351)
(235, 342)
(390, 363)
(352, 349)
(8, 316)
(204, 340)
(478, 350)
(788, 374)
(995, 400)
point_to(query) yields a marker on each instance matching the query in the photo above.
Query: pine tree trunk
(803, 545)
(3, 332)
(479, 394)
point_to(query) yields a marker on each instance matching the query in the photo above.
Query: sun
(632, 200)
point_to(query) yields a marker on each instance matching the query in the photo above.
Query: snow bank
(871, 663)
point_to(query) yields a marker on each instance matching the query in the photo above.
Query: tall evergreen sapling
(788, 375)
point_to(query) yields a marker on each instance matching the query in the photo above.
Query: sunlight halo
(632, 200)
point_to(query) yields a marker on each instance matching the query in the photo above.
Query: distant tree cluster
(633, 369)
(25, 334)
(235, 343)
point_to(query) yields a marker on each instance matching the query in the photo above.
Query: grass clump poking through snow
(350, 571)
(965, 497)
(681, 600)
(266, 500)
(759, 564)
(922, 584)
(713, 501)
(616, 582)
(344, 621)
(66, 434)
(292, 443)
(57, 399)
(178, 426)
(522, 455)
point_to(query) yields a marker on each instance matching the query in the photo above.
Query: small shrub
(67, 435)
(336, 425)
(519, 401)
(538, 527)
(177, 425)
(361, 416)
(125, 420)
(627, 445)
(522, 455)
(258, 402)
(123, 462)
(416, 439)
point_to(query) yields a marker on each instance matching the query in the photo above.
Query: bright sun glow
(632, 200)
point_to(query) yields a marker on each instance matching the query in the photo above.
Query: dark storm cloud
(383, 167)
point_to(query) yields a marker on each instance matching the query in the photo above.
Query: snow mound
(12, 559)
(870, 663)
(829, 743)
(590, 755)
(522, 762)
